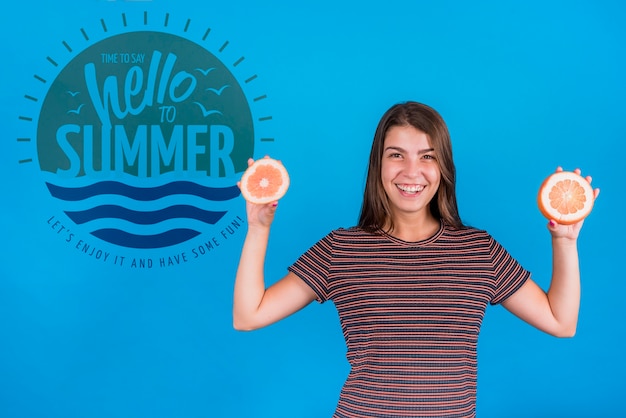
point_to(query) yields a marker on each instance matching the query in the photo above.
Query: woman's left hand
(569, 231)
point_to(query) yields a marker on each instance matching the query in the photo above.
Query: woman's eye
(429, 157)
(394, 155)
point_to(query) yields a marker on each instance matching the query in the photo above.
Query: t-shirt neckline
(421, 243)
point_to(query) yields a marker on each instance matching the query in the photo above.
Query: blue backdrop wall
(113, 305)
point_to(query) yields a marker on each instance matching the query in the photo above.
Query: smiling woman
(410, 177)
(410, 283)
(411, 122)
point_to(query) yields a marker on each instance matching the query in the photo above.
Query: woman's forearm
(249, 281)
(564, 291)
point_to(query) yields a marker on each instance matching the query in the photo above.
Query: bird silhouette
(205, 72)
(77, 110)
(206, 112)
(218, 91)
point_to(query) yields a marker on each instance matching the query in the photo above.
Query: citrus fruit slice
(265, 181)
(565, 197)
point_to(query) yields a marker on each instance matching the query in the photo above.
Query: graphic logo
(141, 138)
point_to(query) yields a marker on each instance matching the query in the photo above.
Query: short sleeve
(314, 265)
(509, 274)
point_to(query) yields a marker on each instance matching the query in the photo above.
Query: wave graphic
(143, 193)
(114, 215)
(144, 218)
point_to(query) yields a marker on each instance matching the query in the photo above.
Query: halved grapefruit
(265, 181)
(566, 197)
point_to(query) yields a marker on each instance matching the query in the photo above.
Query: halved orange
(566, 197)
(265, 181)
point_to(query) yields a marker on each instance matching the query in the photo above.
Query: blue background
(523, 86)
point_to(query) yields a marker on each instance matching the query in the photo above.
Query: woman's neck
(413, 230)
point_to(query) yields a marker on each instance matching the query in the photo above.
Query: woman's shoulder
(466, 232)
(351, 232)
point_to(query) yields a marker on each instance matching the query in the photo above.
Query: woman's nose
(412, 167)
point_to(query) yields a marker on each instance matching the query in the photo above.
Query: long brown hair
(375, 209)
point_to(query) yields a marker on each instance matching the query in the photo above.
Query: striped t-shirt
(411, 315)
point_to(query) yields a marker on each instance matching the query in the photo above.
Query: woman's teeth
(410, 188)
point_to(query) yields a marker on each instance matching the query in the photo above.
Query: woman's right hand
(259, 215)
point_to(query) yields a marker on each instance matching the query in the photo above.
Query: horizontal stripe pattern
(411, 315)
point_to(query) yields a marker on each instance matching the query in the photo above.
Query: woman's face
(409, 171)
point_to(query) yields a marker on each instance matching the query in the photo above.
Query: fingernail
(275, 204)
(552, 223)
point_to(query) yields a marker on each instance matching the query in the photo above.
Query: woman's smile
(410, 189)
